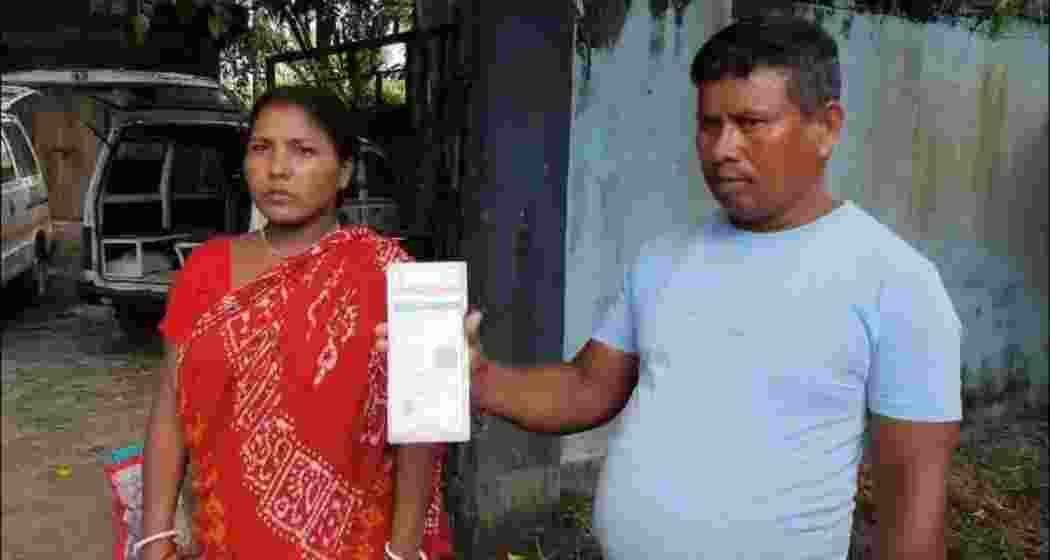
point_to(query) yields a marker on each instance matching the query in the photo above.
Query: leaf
(139, 28)
(184, 9)
(216, 25)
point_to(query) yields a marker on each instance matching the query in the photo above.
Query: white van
(168, 177)
(27, 228)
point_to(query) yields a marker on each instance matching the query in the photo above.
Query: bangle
(391, 555)
(137, 547)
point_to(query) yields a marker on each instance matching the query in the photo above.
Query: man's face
(762, 158)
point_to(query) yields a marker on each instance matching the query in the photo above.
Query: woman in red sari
(273, 391)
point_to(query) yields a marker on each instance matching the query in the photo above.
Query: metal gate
(423, 135)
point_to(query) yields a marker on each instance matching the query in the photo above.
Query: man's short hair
(797, 46)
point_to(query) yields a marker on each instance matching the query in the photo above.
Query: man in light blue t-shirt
(750, 360)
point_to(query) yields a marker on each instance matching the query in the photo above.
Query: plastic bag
(124, 472)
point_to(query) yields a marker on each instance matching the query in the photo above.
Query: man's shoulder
(877, 240)
(885, 257)
(679, 240)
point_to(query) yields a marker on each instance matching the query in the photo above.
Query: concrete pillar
(506, 480)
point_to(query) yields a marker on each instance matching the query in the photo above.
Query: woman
(273, 389)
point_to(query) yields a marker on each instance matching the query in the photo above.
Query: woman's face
(293, 167)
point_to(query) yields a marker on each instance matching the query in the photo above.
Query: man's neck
(804, 211)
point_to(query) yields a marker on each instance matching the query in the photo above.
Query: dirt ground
(74, 389)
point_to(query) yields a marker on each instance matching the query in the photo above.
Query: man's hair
(802, 49)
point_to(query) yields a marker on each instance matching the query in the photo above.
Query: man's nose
(723, 144)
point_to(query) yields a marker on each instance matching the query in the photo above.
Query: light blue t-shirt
(761, 355)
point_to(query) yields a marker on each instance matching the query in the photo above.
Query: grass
(51, 399)
(56, 399)
(993, 502)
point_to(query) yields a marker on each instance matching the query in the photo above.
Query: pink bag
(124, 471)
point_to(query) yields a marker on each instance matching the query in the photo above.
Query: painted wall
(633, 172)
(944, 143)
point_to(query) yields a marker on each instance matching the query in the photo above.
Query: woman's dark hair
(326, 109)
(799, 47)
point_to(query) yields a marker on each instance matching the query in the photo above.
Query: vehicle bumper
(140, 300)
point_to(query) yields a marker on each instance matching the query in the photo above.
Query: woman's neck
(291, 239)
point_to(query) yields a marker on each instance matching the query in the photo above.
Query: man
(750, 359)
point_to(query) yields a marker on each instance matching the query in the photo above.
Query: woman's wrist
(395, 551)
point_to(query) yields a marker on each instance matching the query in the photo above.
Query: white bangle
(137, 547)
(392, 556)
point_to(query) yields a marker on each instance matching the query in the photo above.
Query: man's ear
(827, 127)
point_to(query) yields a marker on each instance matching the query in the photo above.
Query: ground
(75, 388)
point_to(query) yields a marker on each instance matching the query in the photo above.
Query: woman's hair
(323, 106)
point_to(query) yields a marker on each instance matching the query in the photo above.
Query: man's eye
(748, 124)
(709, 125)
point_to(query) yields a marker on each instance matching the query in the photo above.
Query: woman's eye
(306, 151)
(257, 147)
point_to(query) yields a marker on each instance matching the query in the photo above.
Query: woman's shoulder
(383, 249)
(214, 249)
(210, 258)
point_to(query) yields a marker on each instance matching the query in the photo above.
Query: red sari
(283, 404)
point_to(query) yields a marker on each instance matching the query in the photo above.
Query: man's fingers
(472, 325)
(382, 342)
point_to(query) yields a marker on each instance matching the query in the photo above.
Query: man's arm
(910, 463)
(559, 398)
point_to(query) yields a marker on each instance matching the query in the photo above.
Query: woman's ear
(346, 173)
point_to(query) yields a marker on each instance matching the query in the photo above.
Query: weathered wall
(633, 172)
(947, 144)
(944, 143)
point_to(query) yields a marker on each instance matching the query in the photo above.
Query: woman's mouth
(277, 198)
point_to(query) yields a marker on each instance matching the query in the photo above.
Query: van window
(9, 165)
(136, 169)
(20, 149)
(200, 169)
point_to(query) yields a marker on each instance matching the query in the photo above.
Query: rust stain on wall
(991, 126)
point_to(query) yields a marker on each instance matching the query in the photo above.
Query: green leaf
(184, 9)
(217, 25)
(139, 28)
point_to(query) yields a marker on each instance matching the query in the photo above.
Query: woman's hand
(160, 550)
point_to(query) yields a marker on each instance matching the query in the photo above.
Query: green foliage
(282, 26)
(993, 20)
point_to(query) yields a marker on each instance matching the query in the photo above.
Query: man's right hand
(472, 332)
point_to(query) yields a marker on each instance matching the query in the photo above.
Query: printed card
(427, 361)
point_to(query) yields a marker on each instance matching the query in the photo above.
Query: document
(427, 360)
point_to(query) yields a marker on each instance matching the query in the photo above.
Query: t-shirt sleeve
(916, 374)
(617, 327)
(203, 280)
